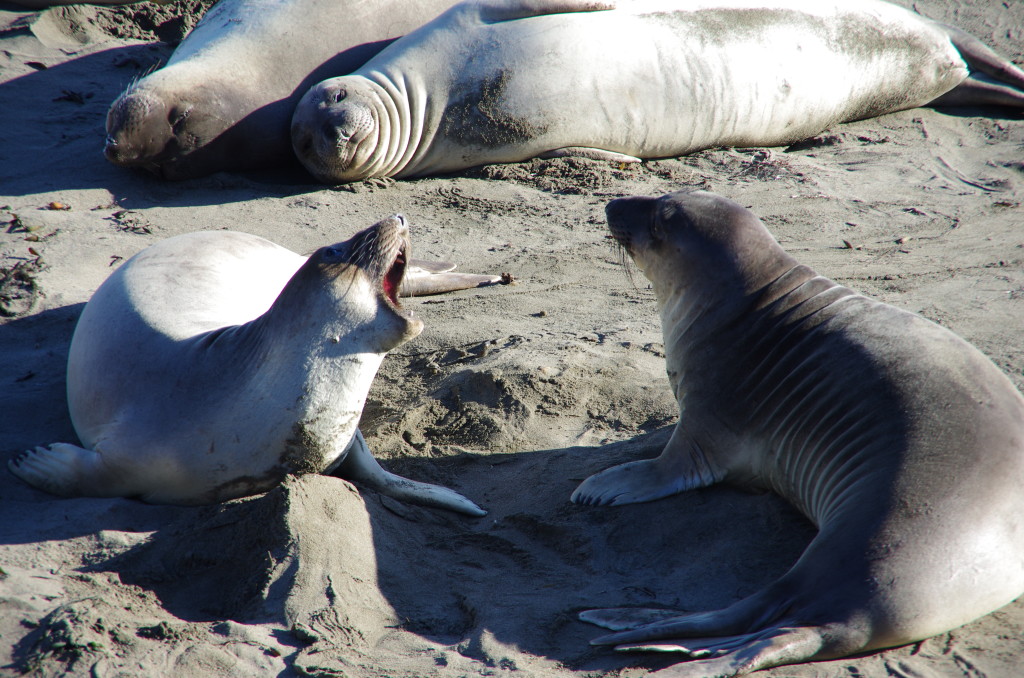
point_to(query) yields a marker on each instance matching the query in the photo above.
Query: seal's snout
(626, 216)
(394, 227)
(383, 251)
(334, 132)
(137, 129)
(617, 211)
(111, 151)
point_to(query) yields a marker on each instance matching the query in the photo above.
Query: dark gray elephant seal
(213, 364)
(224, 100)
(494, 81)
(899, 440)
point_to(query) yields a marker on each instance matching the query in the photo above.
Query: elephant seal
(225, 98)
(898, 439)
(497, 81)
(212, 364)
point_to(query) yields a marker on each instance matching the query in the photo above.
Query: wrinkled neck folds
(413, 120)
(693, 314)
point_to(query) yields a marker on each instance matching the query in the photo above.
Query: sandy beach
(512, 395)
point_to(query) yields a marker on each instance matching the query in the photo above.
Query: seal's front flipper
(359, 466)
(423, 278)
(681, 466)
(592, 153)
(494, 11)
(629, 483)
(64, 469)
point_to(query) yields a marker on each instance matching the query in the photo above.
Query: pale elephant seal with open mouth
(224, 101)
(898, 439)
(213, 364)
(495, 81)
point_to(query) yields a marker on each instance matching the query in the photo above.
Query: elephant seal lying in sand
(898, 439)
(497, 81)
(213, 364)
(225, 99)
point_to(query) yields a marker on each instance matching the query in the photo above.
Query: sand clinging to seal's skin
(512, 395)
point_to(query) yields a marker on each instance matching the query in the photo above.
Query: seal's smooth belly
(903, 443)
(507, 80)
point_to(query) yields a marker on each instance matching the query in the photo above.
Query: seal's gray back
(138, 325)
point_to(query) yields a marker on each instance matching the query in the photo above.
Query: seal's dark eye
(339, 95)
(332, 254)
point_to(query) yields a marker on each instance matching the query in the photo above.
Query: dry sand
(511, 395)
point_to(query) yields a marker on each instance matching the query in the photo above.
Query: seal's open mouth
(392, 280)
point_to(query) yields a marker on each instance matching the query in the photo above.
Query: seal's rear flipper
(736, 655)
(994, 81)
(432, 266)
(587, 152)
(423, 278)
(980, 90)
(623, 618)
(359, 466)
(721, 641)
(64, 470)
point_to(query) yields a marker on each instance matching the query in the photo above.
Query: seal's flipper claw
(592, 153)
(624, 618)
(359, 466)
(419, 282)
